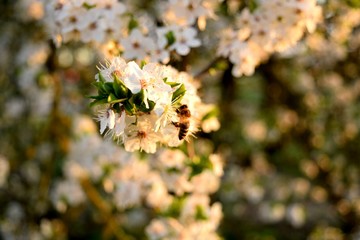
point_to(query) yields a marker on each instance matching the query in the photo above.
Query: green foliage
(120, 90)
(170, 38)
(178, 94)
(139, 101)
(353, 3)
(199, 164)
(88, 6)
(200, 213)
(116, 92)
(175, 207)
(133, 24)
(252, 5)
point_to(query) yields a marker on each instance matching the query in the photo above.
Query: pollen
(116, 73)
(141, 134)
(136, 45)
(143, 83)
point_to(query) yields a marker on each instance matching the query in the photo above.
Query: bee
(184, 115)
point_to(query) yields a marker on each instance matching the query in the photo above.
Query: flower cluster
(85, 21)
(109, 24)
(197, 220)
(171, 184)
(144, 106)
(274, 26)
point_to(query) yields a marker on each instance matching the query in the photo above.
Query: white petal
(120, 124)
(111, 119)
(182, 49)
(132, 144)
(103, 124)
(133, 74)
(194, 43)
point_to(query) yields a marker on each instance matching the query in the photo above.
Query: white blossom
(185, 38)
(4, 170)
(141, 136)
(274, 26)
(107, 119)
(136, 45)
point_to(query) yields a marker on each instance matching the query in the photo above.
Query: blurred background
(289, 134)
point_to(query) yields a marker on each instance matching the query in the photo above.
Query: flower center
(73, 19)
(93, 26)
(108, 6)
(136, 45)
(143, 83)
(141, 134)
(116, 73)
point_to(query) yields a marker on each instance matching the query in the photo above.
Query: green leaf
(101, 78)
(252, 5)
(173, 170)
(212, 113)
(129, 107)
(111, 98)
(100, 87)
(178, 94)
(200, 213)
(118, 101)
(170, 37)
(88, 6)
(139, 100)
(199, 164)
(143, 107)
(108, 86)
(353, 3)
(174, 209)
(97, 84)
(173, 84)
(142, 64)
(97, 102)
(221, 65)
(132, 24)
(99, 97)
(121, 91)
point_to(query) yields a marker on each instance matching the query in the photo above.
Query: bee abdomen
(184, 129)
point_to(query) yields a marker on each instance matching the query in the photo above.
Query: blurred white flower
(296, 215)
(184, 39)
(157, 196)
(206, 182)
(4, 170)
(67, 193)
(186, 12)
(137, 45)
(127, 194)
(210, 124)
(106, 118)
(165, 228)
(274, 26)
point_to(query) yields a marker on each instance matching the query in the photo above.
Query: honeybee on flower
(145, 106)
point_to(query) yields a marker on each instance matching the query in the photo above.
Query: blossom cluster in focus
(139, 106)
